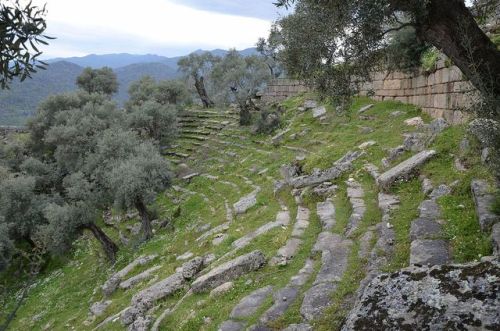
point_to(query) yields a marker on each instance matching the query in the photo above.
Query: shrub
(268, 122)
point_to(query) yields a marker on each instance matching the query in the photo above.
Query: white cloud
(105, 26)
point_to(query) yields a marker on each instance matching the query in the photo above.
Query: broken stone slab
(325, 189)
(319, 112)
(98, 308)
(221, 289)
(440, 191)
(229, 271)
(219, 228)
(454, 297)
(326, 214)
(372, 170)
(310, 104)
(334, 262)
(415, 141)
(138, 278)
(483, 200)
(246, 202)
(114, 281)
(298, 327)
(387, 202)
(429, 209)
(251, 303)
(316, 300)
(367, 144)
(277, 139)
(405, 169)
(245, 240)
(423, 228)
(192, 267)
(414, 121)
(427, 186)
(302, 222)
(365, 108)
(282, 299)
(286, 253)
(429, 252)
(231, 325)
(438, 125)
(355, 194)
(303, 275)
(340, 167)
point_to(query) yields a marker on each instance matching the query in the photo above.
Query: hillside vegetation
(217, 163)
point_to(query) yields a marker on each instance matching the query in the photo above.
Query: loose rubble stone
(405, 169)
(365, 130)
(246, 202)
(429, 252)
(310, 104)
(427, 186)
(219, 238)
(451, 297)
(251, 303)
(440, 191)
(192, 267)
(340, 167)
(396, 113)
(484, 201)
(414, 121)
(319, 111)
(438, 125)
(221, 289)
(229, 271)
(415, 141)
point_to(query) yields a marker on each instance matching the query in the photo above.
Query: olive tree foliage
(269, 48)
(155, 120)
(238, 79)
(197, 67)
(347, 36)
(102, 81)
(22, 27)
(172, 92)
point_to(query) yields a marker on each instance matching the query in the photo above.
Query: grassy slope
(62, 295)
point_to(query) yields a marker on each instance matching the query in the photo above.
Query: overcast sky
(163, 27)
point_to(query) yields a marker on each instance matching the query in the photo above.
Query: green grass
(64, 291)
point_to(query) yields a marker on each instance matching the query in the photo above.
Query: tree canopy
(98, 81)
(22, 29)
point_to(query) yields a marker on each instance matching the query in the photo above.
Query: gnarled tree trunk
(146, 222)
(199, 84)
(450, 26)
(107, 244)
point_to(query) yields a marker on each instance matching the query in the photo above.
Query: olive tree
(22, 28)
(269, 48)
(98, 81)
(173, 92)
(346, 36)
(198, 67)
(238, 79)
(154, 120)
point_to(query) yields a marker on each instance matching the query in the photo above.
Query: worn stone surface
(414, 121)
(219, 238)
(438, 125)
(341, 166)
(231, 326)
(367, 144)
(246, 202)
(98, 308)
(495, 239)
(451, 297)
(185, 256)
(310, 104)
(114, 281)
(427, 186)
(365, 108)
(222, 289)
(423, 228)
(415, 141)
(229, 271)
(429, 209)
(141, 324)
(251, 303)
(287, 252)
(316, 300)
(326, 214)
(138, 278)
(364, 245)
(192, 267)
(405, 169)
(298, 327)
(429, 252)
(247, 239)
(325, 189)
(302, 222)
(303, 275)
(440, 191)
(372, 170)
(282, 299)
(483, 200)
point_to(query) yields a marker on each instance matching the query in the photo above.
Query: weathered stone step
(195, 132)
(189, 137)
(405, 169)
(326, 214)
(246, 202)
(177, 154)
(302, 222)
(484, 199)
(355, 194)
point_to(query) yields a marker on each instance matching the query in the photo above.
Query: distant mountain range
(20, 102)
